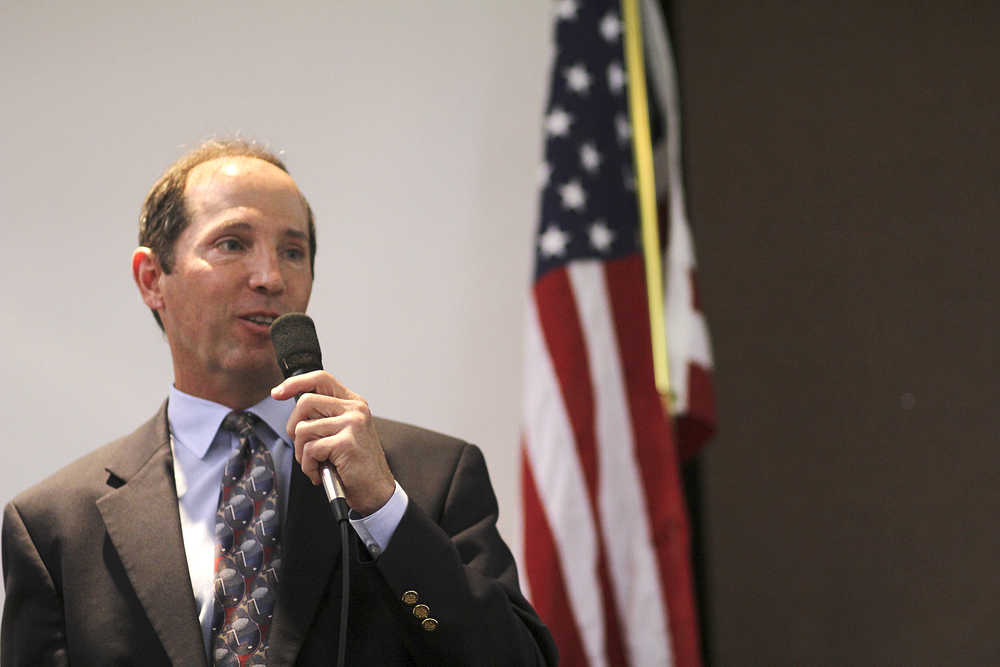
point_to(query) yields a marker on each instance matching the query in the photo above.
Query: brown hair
(164, 213)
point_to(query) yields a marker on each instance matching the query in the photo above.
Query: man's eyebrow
(240, 225)
(233, 225)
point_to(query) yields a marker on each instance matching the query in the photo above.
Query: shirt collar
(195, 421)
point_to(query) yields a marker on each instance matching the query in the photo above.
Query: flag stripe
(561, 328)
(557, 315)
(696, 425)
(622, 507)
(544, 571)
(657, 454)
(551, 453)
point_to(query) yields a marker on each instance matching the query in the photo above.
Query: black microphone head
(296, 344)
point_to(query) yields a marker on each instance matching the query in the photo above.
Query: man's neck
(235, 392)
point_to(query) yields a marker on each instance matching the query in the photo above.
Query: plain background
(842, 177)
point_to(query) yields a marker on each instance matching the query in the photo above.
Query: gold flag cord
(642, 151)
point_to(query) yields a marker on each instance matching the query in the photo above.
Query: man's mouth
(263, 320)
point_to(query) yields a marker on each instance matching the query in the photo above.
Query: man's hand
(332, 423)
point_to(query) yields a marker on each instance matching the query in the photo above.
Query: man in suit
(128, 555)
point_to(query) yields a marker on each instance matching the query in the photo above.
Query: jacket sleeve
(459, 568)
(33, 630)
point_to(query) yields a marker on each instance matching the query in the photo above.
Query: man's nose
(265, 274)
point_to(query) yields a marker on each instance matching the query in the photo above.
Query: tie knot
(241, 423)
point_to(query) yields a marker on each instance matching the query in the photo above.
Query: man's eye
(231, 245)
(294, 254)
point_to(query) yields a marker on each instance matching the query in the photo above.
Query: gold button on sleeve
(410, 598)
(429, 624)
(421, 611)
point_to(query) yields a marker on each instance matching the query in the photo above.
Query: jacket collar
(143, 523)
(142, 520)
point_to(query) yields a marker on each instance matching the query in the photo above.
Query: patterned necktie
(247, 552)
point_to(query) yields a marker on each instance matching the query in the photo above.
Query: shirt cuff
(376, 529)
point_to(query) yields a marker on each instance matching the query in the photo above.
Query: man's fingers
(319, 430)
(316, 408)
(315, 452)
(332, 423)
(314, 382)
(311, 470)
(309, 430)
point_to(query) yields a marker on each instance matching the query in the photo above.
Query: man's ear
(146, 271)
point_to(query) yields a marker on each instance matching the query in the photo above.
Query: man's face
(242, 261)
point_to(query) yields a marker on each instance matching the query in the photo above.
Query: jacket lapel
(143, 523)
(310, 546)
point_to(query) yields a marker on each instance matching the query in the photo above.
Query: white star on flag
(557, 122)
(553, 241)
(544, 171)
(600, 236)
(628, 178)
(566, 9)
(573, 196)
(611, 27)
(589, 157)
(623, 128)
(616, 77)
(578, 79)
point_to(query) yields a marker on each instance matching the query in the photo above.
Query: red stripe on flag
(544, 572)
(657, 454)
(695, 427)
(564, 340)
(563, 334)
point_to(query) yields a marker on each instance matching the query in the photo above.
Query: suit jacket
(95, 571)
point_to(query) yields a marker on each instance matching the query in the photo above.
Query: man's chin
(259, 369)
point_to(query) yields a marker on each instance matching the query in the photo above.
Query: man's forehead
(240, 181)
(232, 167)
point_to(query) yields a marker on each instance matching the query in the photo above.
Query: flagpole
(642, 151)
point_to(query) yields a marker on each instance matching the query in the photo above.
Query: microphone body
(297, 349)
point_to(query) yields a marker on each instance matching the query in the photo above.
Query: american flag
(606, 531)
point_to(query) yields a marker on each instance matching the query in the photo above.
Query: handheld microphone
(297, 348)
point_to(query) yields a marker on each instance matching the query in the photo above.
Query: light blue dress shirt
(200, 451)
